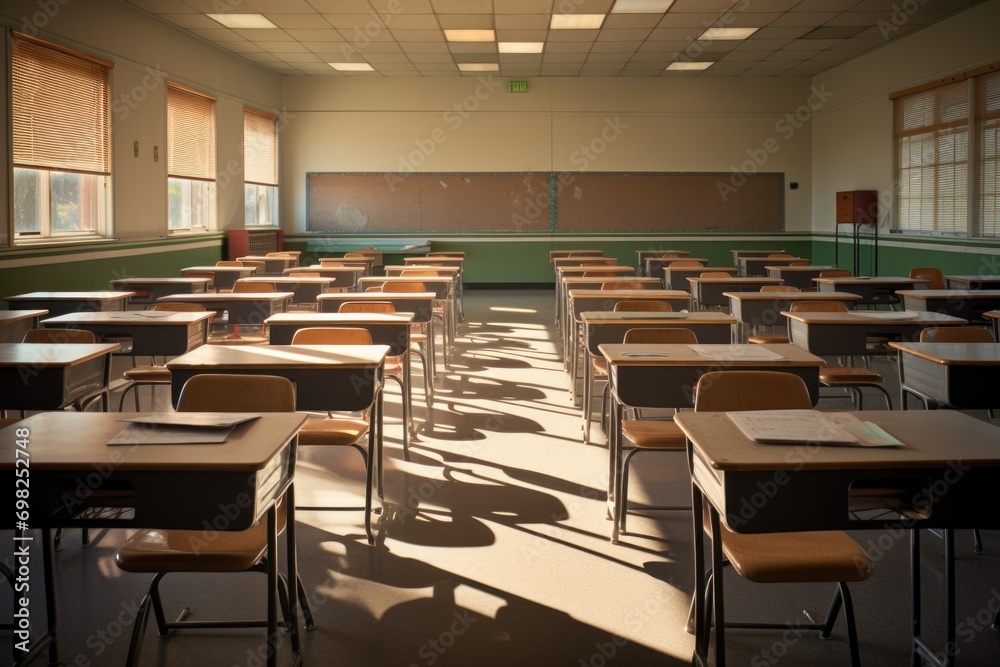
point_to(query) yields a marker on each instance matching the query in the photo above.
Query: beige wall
(473, 124)
(147, 52)
(852, 136)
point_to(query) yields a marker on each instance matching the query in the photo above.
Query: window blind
(60, 109)
(190, 134)
(932, 148)
(260, 147)
(988, 114)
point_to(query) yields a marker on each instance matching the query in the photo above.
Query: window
(260, 167)
(946, 139)
(61, 141)
(190, 160)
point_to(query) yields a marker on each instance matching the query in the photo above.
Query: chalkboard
(427, 202)
(514, 202)
(670, 202)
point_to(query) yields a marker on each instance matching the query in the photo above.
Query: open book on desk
(180, 428)
(812, 426)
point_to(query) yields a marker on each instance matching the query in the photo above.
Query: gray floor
(493, 547)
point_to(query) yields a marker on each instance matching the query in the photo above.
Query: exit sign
(518, 86)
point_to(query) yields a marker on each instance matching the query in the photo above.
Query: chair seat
(151, 550)
(650, 434)
(768, 339)
(148, 374)
(816, 556)
(600, 366)
(848, 375)
(333, 432)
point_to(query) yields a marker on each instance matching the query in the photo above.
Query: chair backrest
(330, 262)
(929, 273)
(818, 307)
(355, 255)
(367, 307)
(780, 255)
(210, 276)
(660, 336)
(956, 335)
(623, 284)
(686, 264)
(279, 253)
(835, 273)
(237, 393)
(253, 286)
(228, 262)
(373, 288)
(778, 288)
(720, 391)
(179, 307)
(59, 336)
(714, 274)
(599, 274)
(258, 264)
(307, 274)
(643, 306)
(426, 273)
(332, 336)
(403, 286)
(804, 262)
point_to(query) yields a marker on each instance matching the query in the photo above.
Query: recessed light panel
(726, 33)
(469, 35)
(689, 66)
(479, 67)
(242, 21)
(641, 6)
(576, 21)
(352, 67)
(521, 47)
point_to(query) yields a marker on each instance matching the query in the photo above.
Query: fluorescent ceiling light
(576, 21)
(727, 33)
(242, 21)
(689, 66)
(469, 35)
(521, 47)
(641, 6)
(479, 67)
(352, 67)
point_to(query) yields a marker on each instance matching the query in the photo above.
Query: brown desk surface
(313, 357)
(735, 280)
(8, 316)
(620, 354)
(970, 294)
(96, 295)
(794, 269)
(221, 269)
(223, 297)
(877, 317)
(339, 319)
(159, 281)
(793, 296)
(953, 354)
(630, 294)
(289, 279)
(878, 281)
(52, 354)
(150, 318)
(674, 319)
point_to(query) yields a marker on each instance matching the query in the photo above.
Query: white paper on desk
(799, 426)
(730, 352)
(195, 419)
(890, 315)
(159, 434)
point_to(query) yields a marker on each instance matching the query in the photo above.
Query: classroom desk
(61, 303)
(364, 263)
(454, 272)
(796, 276)
(969, 304)
(273, 264)
(556, 254)
(341, 277)
(677, 277)
(304, 288)
(569, 283)
(727, 468)
(972, 282)
(845, 334)
(445, 290)
(994, 317)
(872, 290)
(250, 308)
(255, 464)
(564, 272)
(956, 375)
(642, 255)
(709, 291)
(433, 261)
(654, 266)
(756, 266)
(148, 290)
(663, 376)
(52, 376)
(601, 327)
(737, 254)
(154, 333)
(225, 276)
(15, 323)
(589, 260)
(756, 309)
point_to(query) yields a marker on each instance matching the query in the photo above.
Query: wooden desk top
(52, 354)
(568, 271)
(580, 261)
(77, 440)
(973, 278)
(159, 281)
(992, 314)
(313, 357)
(397, 269)
(222, 269)
(933, 438)
(268, 258)
(677, 258)
(661, 253)
(130, 318)
(380, 280)
(556, 254)
(955, 294)
(743, 252)
(95, 295)
(629, 294)
(735, 280)
(570, 281)
(320, 319)
(289, 279)
(7, 316)
(877, 318)
(324, 269)
(227, 297)
(953, 354)
(668, 270)
(621, 354)
(796, 269)
(793, 296)
(879, 281)
(676, 318)
(376, 296)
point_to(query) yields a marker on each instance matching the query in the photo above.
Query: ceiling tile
(272, 6)
(312, 21)
(473, 47)
(418, 35)
(614, 47)
(811, 19)
(424, 47)
(700, 6)
(424, 58)
(400, 7)
(631, 21)
(824, 5)
(283, 47)
(573, 35)
(328, 35)
(191, 20)
(411, 21)
(522, 35)
(466, 21)
(523, 6)
(340, 6)
(462, 6)
(218, 34)
(519, 21)
(265, 35)
(698, 21)
(623, 34)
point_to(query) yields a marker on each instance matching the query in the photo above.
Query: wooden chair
(258, 264)
(162, 552)
(779, 288)
(208, 275)
(834, 273)
(648, 435)
(686, 264)
(772, 338)
(780, 255)
(345, 431)
(599, 274)
(623, 285)
(153, 375)
(419, 331)
(642, 306)
(229, 262)
(714, 274)
(814, 557)
(259, 336)
(929, 273)
(944, 335)
(852, 378)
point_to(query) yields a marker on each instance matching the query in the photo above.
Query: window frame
(187, 167)
(258, 181)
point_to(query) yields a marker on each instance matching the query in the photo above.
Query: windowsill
(59, 241)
